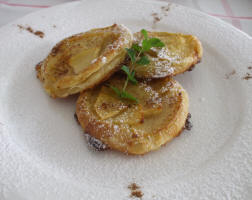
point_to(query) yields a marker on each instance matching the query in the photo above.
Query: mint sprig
(144, 60)
(136, 47)
(136, 54)
(144, 33)
(148, 43)
(130, 75)
(132, 54)
(123, 94)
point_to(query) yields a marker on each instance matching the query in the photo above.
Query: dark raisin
(188, 123)
(96, 144)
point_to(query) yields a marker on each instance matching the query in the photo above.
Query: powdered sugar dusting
(93, 61)
(104, 59)
(44, 161)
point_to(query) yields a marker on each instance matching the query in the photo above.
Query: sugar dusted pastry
(130, 127)
(84, 60)
(180, 53)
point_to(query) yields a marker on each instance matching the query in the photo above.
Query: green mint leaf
(116, 90)
(132, 54)
(145, 34)
(146, 45)
(155, 42)
(126, 95)
(133, 79)
(123, 94)
(144, 60)
(136, 47)
(126, 70)
(152, 42)
(130, 75)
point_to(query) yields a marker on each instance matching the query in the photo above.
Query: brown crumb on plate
(137, 193)
(158, 16)
(29, 29)
(165, 9)
(228, 75)
(133, 186)
(247, 76)
(135, 190)
(39, 33)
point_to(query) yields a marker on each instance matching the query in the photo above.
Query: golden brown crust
(84, 60)
(91, 84)
(38, 71)
(180, 54)
(143, 137)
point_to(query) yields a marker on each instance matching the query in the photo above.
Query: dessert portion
(84, 60)
(134, 128)
(136, 111)
(179, 54)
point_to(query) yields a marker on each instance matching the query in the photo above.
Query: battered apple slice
(84, 60)
(138, 128)
(107, 104)
(180, 53)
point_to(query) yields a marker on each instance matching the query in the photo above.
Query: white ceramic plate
(43, 152)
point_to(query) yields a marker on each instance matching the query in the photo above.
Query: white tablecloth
(236, 12)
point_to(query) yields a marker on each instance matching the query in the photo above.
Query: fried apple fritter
(180, 53)
(130, 129)
(84, 60)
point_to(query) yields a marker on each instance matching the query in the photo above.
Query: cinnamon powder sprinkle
(39, 33)
(157, 19)
(228, 75)
(29, 29)
(133, 186)
(158, 16)
(136, 193)
(247, 76)
(135, 190)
